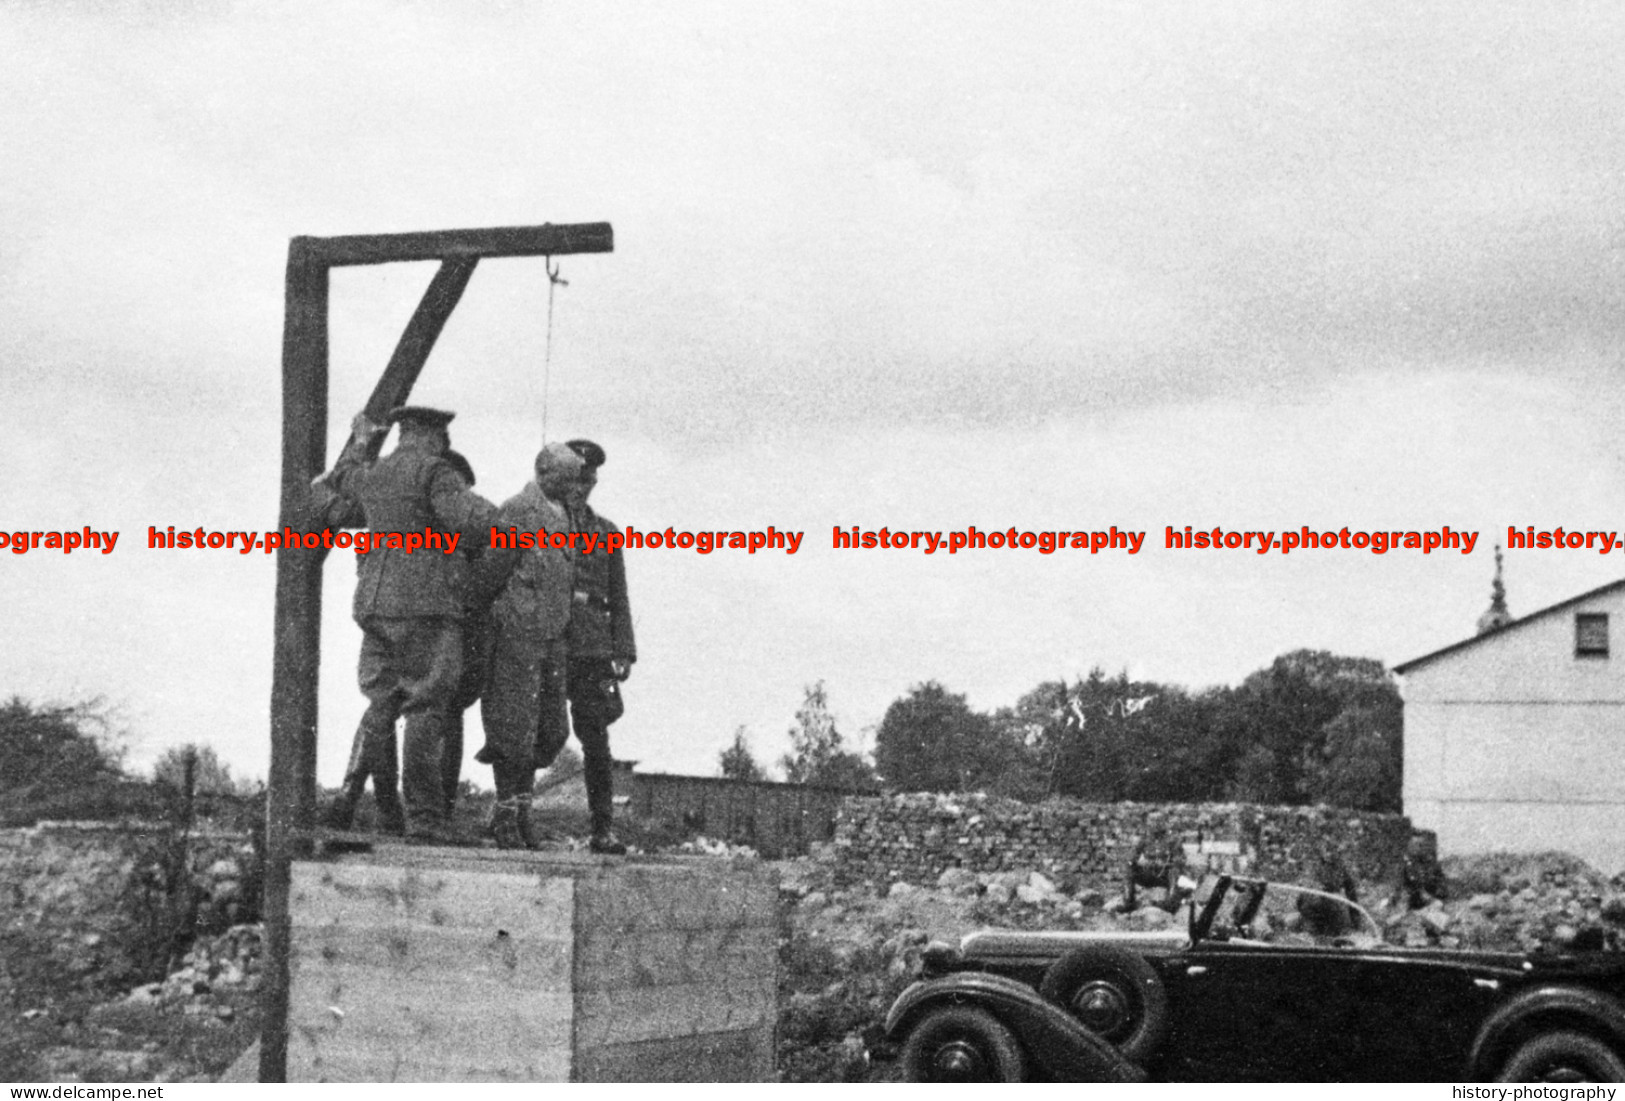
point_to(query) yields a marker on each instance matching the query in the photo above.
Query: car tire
(1114, 993)
(1564, 1057)
(961, 1043)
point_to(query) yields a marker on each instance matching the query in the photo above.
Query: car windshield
(1257, 910)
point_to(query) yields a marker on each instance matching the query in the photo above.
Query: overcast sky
(924, 266)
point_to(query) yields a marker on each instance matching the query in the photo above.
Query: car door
(1262, 1013)
(1421, 1013)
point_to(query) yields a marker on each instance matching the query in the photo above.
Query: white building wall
(1514, 743)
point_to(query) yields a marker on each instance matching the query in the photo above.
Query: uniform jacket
(601, 621)
(410, 490)
(534, 605)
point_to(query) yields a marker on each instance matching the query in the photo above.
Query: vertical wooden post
(296, 660)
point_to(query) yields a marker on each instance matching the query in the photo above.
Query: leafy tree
(210, 776)
(1033, 734)
(57, 748)
(1316, 727)
(817, 754)
(1098, 742)
(1175, 755)
(1311, 727)
(737, 762)
(929, 741)
(1361, 761)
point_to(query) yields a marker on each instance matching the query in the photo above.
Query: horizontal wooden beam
(457, 244)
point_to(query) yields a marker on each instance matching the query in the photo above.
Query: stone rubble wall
(914, 838)
(105, 900)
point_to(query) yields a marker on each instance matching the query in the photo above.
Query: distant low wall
(777, 820)
(914, 838)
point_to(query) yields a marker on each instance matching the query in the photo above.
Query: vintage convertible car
(1246, 993)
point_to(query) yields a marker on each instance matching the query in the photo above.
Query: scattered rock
(1151, 917)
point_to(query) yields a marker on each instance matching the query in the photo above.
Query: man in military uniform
(601, 650)
(409, 603)
(524, 706)
(373, 753)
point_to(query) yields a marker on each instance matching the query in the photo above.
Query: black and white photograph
(812, 542)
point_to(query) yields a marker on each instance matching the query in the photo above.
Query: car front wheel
(1564, 1057)
(962, 1044)
(1115, 993)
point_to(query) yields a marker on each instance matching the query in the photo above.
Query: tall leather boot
(597, 766)
(505, 825)
(527, 829)
(391, 815)
(341, 815)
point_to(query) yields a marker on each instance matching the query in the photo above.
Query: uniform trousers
(409, 667)
(595, 702)
(476, 662)
(523, 709)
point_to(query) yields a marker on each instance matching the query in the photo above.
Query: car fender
(1568, 1002)
(1052, 1036)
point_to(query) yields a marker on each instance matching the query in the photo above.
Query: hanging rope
(553, 280)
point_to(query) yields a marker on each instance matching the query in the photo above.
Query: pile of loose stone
(1518, 904)
(158, 1032)
(215, 967)
(848, 950)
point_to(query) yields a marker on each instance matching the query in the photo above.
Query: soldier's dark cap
(459, 462)
(420, 416)
(591, 454)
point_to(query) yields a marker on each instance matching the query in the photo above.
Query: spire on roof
(1497, 616)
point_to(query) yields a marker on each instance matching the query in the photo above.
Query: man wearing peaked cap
(600, 646)
(410, 605)
(420, 415)
(590, 453)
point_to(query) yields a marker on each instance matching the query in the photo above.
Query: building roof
(1512, 626)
